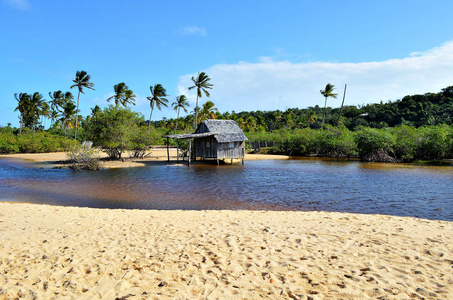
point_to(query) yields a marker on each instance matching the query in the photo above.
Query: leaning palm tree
(55, 104)
(201, 82)
(81, 81)
(123, 95)
(181, 102)
(158, 94)
(58, 100)
(327, 92)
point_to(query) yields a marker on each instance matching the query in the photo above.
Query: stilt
(231, 161)
(218, 162)
(168, 150)
(177, 151)
(190, 150)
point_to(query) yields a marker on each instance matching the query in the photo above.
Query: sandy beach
(54, 252)
(51, 252)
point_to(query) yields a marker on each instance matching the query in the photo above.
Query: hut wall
(231, 150)
(206, 147)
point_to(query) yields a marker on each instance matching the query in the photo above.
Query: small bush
(84, 157)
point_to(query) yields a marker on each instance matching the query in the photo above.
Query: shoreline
(59, 159)
(51, 252)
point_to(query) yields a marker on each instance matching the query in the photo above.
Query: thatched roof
(224, 131)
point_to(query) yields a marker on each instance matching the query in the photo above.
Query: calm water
(305, 184)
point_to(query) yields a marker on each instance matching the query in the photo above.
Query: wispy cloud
(18, 4)
(269, 84)
(192, 30)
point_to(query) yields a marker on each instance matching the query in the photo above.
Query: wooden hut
(216, 139)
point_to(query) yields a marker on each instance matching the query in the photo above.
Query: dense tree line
(415, 127)
(415, 110)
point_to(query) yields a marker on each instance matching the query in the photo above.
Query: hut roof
(224, 131)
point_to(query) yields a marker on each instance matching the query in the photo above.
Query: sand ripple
(49, 252)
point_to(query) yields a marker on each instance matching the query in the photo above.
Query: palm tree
(327, 92)
(81, 81)
(58, 100)
(45, 113)
(95, 110)
(208, 111)
(23, 106)
(37, 108)
(123, 95)
(158, 94)
(66, 116)
(181, 102)
(201, 82)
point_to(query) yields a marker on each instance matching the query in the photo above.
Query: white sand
(51, 252)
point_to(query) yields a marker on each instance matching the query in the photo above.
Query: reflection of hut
(216, 139)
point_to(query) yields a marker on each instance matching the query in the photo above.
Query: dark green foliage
(433, 142)
(336, 142)
(405, 142)
(375, 145)
(333, 142)
(30, 142)
(113, 129)
(141, 141)
(117, 130)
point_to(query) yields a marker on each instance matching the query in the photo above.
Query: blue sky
(261, 55)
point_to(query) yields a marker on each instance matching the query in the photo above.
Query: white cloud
(193, 30)
(18, 4)
(269, 84)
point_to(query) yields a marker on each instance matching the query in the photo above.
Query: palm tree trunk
(342, 103)
(196, 114)
(177, 117)
(150, 116)
(77, 116)
(324, 114)
(21, 125)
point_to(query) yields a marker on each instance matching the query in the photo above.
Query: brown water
(303, 184)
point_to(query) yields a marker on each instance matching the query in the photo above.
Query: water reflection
(302, 184)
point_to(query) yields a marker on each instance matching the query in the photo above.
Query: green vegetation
(397, 144)
(123, 95)
(416, 128)
(32, 142)
(201, 84)
(158, 94)
(327, 92)
(117, 130)
(81, 81)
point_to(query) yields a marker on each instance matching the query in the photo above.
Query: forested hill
(412, 110)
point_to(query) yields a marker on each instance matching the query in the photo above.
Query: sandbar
(159, 155)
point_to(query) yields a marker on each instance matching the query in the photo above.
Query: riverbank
(52, 252)
(60, 159)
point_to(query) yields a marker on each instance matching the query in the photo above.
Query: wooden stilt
(168, 150)
(190, 150)
(177, 151)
